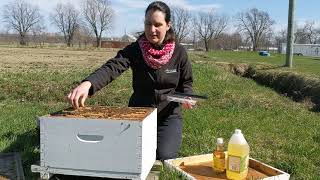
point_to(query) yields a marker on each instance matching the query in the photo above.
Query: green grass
(302, 64)
(280, 132)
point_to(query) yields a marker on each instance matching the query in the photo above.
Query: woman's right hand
(80, 93)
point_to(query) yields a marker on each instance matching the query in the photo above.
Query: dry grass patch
(25, 59)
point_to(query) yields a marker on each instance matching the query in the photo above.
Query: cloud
(193, 7)
(302, 21)
(48, 6)
(279, 27)
(129, 14)
(123, 5)
(131, 4)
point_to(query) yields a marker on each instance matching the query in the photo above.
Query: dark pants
(169, 137)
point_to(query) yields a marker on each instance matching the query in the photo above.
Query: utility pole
(290, 34)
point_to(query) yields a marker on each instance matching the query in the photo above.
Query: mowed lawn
(280, 132)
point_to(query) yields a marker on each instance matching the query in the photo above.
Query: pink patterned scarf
(153, 57)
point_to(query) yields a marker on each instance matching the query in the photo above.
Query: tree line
(95, 17)
(253, 27)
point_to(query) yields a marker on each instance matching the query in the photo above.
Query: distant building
(250, 48)
(118, 42)
(128, 38)
(312, 50)
(114, 44)
(188, 46)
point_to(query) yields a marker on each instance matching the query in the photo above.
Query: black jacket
(150, 86)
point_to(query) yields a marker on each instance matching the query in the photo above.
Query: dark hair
(163, 7)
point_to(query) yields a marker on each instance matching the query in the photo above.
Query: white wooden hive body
(101, 147)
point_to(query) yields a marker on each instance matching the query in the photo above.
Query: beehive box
(200, 168)
(114, 142)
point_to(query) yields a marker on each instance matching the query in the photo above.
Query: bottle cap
(237, 131)
(219, 141)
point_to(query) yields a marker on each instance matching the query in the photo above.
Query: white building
(303, 49)
(128, 38)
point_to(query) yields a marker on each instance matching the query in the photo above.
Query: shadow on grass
(295, 86)
(273, 67)
(316, 108)
(316, 139)
(27, 144)
(66, 177)
(288, 167)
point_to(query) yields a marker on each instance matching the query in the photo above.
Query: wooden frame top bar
(104, 112)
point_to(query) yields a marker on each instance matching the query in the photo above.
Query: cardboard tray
(200, 168)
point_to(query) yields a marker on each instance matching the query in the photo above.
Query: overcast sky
(129, 14)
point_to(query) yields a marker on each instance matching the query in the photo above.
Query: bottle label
(219, 163)
(238, 164)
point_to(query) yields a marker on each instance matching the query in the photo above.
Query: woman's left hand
(186, 104)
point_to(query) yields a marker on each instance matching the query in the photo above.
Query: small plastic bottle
(218, 163)
(238, 156)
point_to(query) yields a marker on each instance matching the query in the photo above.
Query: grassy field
(305, 65)
(280, 132)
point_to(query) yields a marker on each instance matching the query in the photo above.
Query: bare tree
(310, 32)
(318, 36)
(84, 35)
(236, 41)
(21, 17)
(255, 24)
(98, 14)
(266, 40)
(66, 18)
(180, 22)
(279, 38)
(38, 34)
(209, 25)
(228, 41)
(299, 35)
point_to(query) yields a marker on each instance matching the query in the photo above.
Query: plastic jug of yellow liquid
(238, 156)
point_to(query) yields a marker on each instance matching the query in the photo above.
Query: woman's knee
(169, 138)
(166, 153)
